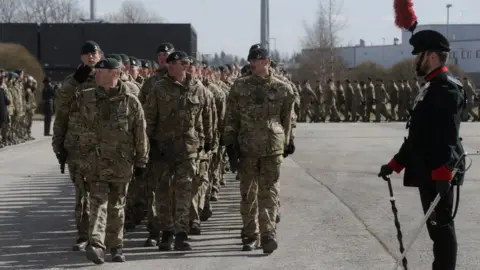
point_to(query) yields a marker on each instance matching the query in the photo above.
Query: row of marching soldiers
(17, 106)
(352, 101)
(156, 146)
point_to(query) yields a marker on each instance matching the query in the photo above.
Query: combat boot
(152, 240)
(95, 254)
(167, 241)
(269, 244)
(250, 243)
(206, 212)
(277, 219)
(214, 195)
(195, 229)
(81, 244)
(117, 254)
(181, 243)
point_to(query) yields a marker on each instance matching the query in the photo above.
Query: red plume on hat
(405, 15)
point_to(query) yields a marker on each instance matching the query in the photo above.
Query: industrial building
(464, 40)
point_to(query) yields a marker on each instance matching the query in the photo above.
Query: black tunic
(433, 140)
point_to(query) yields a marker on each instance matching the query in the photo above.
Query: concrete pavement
(335, 211)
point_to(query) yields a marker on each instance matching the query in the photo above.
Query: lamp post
(448, 19)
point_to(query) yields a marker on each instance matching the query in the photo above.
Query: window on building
(478, 53)
(464, 54)
(469, 55)
(454, 55)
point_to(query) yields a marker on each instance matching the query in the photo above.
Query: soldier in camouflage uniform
(179, 126)
(31, 104)
(18, 102)
(124, 61)
(162, 53)
(381, 98)
(369, 99)
(257, 134)
(340, 95)
(4, 103)
(348, 90)
(202, 179)
(329, 101)
(471, 95)
(71, 143)
(307, 101)
(134, 72)
(115, 125)
(358, 104)
(144, 69)
(403, 100)
(8, 136)
(393, 94)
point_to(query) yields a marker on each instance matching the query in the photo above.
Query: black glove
(443, 186)
(289, 148)
(81, 75)
(232, 157)
(207, 147)
(385, 171)
(138, 171)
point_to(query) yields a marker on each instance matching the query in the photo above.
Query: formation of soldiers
(352, 101)
(155, 143)
(17, 107)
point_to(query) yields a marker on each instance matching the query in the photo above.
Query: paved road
(336, 213)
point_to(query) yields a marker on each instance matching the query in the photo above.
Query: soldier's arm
(139, 134)
(287, 112)
(232, 116)
(206, 112)
(150, 108)
(64, 99)
(221, 110)
(146, 88)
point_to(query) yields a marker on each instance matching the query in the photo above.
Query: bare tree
(133, 11)
(49, 11)
(9, 11)
(320, 58)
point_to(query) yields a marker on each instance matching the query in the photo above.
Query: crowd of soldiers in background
(352, 101)
(17, 106)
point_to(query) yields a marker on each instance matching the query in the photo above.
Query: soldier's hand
(289, 148)
(138, 171)
(82, 73)
(385, 171)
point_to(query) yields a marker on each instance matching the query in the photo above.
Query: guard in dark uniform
(433, 147)
(48, 95)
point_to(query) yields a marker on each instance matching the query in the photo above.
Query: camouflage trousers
(259, 189)
(28, 123)
(137, 200)
(215, 168)
(82, 204)
(200, 186)
(107, 213)
(173, 194)
(381, 109)
(18, 126)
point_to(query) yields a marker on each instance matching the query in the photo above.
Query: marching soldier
(433, 147)
(471, 95)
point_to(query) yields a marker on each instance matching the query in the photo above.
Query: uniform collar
(436, 72)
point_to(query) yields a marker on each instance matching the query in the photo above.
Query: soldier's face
(258, 66)
(134, 71)
(178, 68)
(106, 77)
(192, 69)
(162, 58)
(90, 59)
(144, 72)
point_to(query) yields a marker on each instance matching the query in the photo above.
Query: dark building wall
(25, 34)
(57, 46)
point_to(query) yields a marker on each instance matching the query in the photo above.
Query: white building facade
(464, 42)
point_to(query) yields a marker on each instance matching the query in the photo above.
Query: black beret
(255, 46)
(177, 55)
(194, 61)
(257, 54)
(134, 61)
(114, 56)
(429, 40)
(145, 63)
(165, 47)
(125, 59)
(108, 63)
(89, 47)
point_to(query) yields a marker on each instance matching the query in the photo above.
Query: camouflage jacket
(258, 116)
(220, 106)
(113, 123)
(179, 118)
(149, 83)
(63, 101)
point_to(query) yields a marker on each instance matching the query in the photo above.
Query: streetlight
(448, 18)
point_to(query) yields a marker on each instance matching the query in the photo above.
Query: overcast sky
(234, 25)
